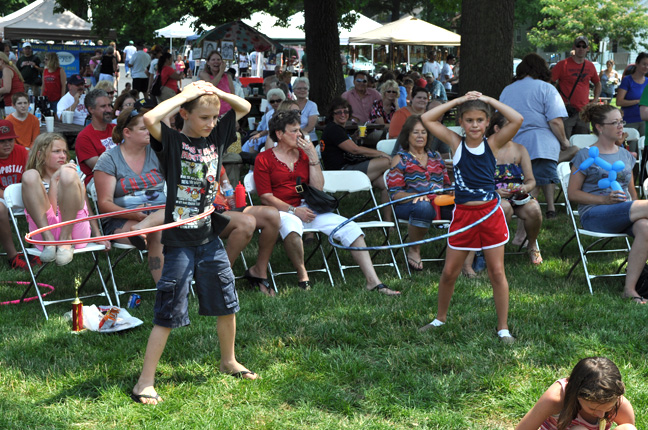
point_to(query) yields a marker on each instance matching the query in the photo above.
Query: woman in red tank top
(53, 80)
(12, 81)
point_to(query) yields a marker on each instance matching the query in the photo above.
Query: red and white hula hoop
(28, 236)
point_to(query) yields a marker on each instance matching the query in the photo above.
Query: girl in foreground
(474, 168)
(590, 399)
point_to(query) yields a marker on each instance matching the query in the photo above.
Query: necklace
(417, 157)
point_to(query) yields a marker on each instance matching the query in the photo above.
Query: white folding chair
(13, 199)
(354, 181)
(438, 224)
(583, 140)
(601, 240)
(386, 146)
(126, 249)
(250, 188)
(457, 129)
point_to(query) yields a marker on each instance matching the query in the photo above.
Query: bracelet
(314, 163)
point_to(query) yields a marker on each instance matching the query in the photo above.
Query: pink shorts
(80, 230)
(491, 233)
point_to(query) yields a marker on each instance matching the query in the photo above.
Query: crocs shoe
(48, 254)
(64, 256)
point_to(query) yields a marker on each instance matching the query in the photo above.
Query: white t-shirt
(153, 66)
(431, 67)
(80, 112)
(446, 71)
(129, 51)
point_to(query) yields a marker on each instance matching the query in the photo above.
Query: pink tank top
(223, 85)
(551, 423)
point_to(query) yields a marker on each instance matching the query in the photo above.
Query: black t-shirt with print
(190, 166)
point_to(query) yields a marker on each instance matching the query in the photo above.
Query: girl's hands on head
(472, 95)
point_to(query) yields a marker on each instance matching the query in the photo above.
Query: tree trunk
(486, 45)
(323, 52)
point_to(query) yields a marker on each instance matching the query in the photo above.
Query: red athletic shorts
(488, 234)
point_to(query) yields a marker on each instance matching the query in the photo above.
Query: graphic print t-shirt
(191, 169)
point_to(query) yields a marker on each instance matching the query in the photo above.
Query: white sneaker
(48, 254)
(64, 256)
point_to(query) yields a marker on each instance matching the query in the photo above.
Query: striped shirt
(411, 177)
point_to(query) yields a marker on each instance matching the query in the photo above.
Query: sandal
(550, 214)
(535, 257)
(637, 299)
(258, 282)
(384, 289)
(304, 285)
(416, 266)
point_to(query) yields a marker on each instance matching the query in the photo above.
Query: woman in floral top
(416, 169)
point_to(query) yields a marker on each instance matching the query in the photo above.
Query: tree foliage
(623, 21)
(10, 6)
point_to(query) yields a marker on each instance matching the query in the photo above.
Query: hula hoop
(28, 236)
(28, 299)
(404, 245)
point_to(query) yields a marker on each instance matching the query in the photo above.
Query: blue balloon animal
(612, 169)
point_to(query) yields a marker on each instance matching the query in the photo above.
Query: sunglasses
(391, 91)
(362, 81)
(581, 45)
(341, 112)
(112, 93)
(275, 101)
(132, 115)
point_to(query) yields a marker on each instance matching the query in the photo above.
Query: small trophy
(77, 311)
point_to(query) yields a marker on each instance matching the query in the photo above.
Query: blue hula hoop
(404, 245)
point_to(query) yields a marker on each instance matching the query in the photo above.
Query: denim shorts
(545, 171)
(209, 266)
(419, 214)
(109, 225)
(608, 218)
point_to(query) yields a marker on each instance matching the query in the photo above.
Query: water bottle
(38, 115)
(228, 193)
(30, 93)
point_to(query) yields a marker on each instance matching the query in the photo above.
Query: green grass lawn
(331, 358)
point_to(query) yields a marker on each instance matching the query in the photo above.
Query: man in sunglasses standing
(361, 98)
(96, 138)
(573, 76)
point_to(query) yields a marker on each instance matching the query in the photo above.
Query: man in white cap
(573, 76)
(128, 54)
(29, 67)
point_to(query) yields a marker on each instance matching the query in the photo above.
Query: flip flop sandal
(414, 266)
(254, 281)
(382, 287)
(241, 374)
(137, 398)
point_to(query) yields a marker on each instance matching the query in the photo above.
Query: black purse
(317, 200)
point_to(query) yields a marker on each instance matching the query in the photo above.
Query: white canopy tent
(181, 29)
(38, 21)
(409, 31)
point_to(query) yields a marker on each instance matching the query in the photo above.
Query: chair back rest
(248, 182)
(349, 181)
(13, 198)
(633, 133)
(457, 129)
(583, 140)
(641, 143)
(386, 146)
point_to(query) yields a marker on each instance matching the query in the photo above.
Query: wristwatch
(291, 210)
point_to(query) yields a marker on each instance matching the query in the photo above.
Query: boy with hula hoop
(192, 251)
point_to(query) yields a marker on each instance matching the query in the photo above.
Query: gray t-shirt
(595, 173)
(133, 190)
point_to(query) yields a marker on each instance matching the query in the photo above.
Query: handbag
(572, 110)
(317, 200)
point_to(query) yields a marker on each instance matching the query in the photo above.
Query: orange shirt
(26, 130)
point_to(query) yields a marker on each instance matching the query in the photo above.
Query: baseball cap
(7, 130)
(581, 39)
(26, 45)
(131, 42)
(428, 75)
(76, 80)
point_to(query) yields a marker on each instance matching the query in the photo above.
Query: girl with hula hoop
(474, 168)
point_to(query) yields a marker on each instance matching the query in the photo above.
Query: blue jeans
(608, 218)
(420, 214)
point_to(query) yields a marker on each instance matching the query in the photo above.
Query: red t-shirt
(273, 176)
(12, 167)
(566, 72)
(92, 143)
(167, 80)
